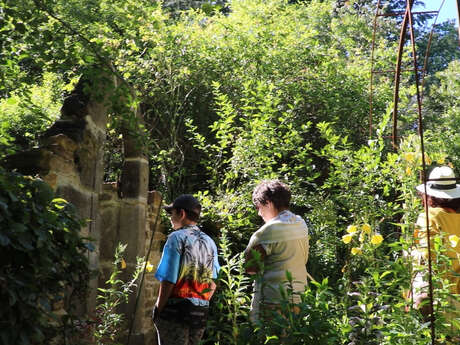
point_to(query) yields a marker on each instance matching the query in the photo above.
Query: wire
(428, 47)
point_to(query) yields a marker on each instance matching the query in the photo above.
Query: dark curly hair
(272, 190)
(440, 202)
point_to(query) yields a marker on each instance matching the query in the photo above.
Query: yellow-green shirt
(447, 224)
(285, 241)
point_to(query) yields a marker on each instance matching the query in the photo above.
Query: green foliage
(269, 89)
(311, 71)
(313, 62)
(443, 113)
(229, 307)
(110, 321)
(24, 116)
(44, 260)
(318, 320)
(443, 48)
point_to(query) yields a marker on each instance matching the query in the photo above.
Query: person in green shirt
(281, 244)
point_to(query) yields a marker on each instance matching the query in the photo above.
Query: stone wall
(70, 160)
(113, 232)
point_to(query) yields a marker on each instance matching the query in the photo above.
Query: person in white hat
(442, 194)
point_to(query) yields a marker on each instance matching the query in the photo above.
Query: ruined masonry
(70, 160)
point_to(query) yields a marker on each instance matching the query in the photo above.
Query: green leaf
(25, 242)
(4, 240)
(18, 227)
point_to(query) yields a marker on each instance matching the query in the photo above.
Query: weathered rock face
(119, 219)
(70, 160)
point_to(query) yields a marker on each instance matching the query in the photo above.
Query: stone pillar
(133, 216)
(112, 230)
(156, 236)
(88, 160)
(109, 216)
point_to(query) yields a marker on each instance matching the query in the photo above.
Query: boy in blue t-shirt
(186, 271)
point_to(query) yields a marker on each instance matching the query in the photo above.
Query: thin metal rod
(422, 148)
(371, 87)
(458, 17)
(428, 47)
(402, 39)
(396, 14)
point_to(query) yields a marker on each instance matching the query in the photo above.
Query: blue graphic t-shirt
(189, 261)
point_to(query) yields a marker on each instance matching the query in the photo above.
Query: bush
(110, 322)
(43, 259)
(318, 320)
(24, 116)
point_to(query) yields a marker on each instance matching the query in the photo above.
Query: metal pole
(422, 147)
(371, 91)
(402, 39)
(458, 17)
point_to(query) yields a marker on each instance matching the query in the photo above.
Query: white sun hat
(441, 184)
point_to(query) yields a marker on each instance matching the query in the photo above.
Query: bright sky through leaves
(448, 10)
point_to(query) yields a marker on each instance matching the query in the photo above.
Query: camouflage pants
(173, 333)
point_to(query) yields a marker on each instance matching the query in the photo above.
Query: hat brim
(453, 193)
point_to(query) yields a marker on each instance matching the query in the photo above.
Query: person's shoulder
(176, 235)
(267, 227)
(282, 225)
(435, 210)
(207, 237)
(434, 213)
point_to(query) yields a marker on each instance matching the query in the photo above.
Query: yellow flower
(441, 160)
(405, 294)
(356, 251)
(377, 239)
(453, 239)
(408, 171)
(347, 238)
(409, 156)
(427, 159)
(352, 229)
(123, 264)
(366, 228)
(149, 267)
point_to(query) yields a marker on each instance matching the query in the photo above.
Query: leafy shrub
(110, 321)
(362, 223)
(230, 304)
(318, 320)
(25, 115)
(43, 259)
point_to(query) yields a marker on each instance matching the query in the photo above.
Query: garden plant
(232, 93)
